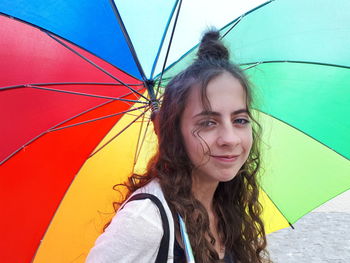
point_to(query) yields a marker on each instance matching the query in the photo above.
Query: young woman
(204, 173)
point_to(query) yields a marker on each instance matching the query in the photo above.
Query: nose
(228, 136)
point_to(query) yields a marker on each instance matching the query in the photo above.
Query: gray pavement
(319, 237)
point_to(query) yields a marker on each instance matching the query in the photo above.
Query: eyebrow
(214, 113)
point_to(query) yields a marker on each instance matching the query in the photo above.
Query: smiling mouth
(225, 158)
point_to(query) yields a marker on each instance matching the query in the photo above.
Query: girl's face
(217, 142)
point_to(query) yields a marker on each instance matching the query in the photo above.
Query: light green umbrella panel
(311, 98)
(296, 55)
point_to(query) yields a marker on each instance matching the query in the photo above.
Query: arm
(133, 236)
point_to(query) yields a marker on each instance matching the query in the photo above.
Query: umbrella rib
(74, 83)
(57, 125)
(233, 25)
(139, 148)
(254, 64)
(115, 136)
(73, 93)
(271, 200)
(48, 32)
(194, 47)
(237, 20)
(135, 115)
(86, 83)
(325, 145)
(93, 64)
(177, 61)
(131, 105)
(137, 144)
(96, 119)
(169, 46)
(128, 40)
(112, 84)
(163, 38)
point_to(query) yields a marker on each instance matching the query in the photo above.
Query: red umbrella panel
(60, 106)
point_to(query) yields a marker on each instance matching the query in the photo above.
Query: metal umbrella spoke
(237, 20)
(73, 93)
(168, 49)
(115, 136)
(163, 38)
(94, 64)
(97, 119)
(71, 83)
(303, 132)
(254, 64)
(140, 144)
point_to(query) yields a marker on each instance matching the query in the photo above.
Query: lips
(225, 158)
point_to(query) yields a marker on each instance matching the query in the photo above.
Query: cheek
(195, 148)
(188, 143)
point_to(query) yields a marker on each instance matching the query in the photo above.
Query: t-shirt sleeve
(134, 235)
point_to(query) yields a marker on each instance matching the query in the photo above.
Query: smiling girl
(204, 173)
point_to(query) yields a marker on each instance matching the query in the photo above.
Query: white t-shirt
(135, 232)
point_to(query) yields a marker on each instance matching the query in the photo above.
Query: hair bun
(211, 48)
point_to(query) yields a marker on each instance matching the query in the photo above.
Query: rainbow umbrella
(78, 79)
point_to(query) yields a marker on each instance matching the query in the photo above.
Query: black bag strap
(162, 256)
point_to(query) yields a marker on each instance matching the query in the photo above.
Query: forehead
(224, 93)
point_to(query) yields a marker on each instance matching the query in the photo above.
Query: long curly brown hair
(235, 202)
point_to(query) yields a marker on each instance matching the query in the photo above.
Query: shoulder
(138, 219)
(153, 187)
(135, 231)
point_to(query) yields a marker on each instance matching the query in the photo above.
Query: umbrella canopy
(73, 106)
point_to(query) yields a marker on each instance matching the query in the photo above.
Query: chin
(227, 178)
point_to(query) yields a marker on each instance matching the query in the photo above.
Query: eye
(207, 123)
(241, 121)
